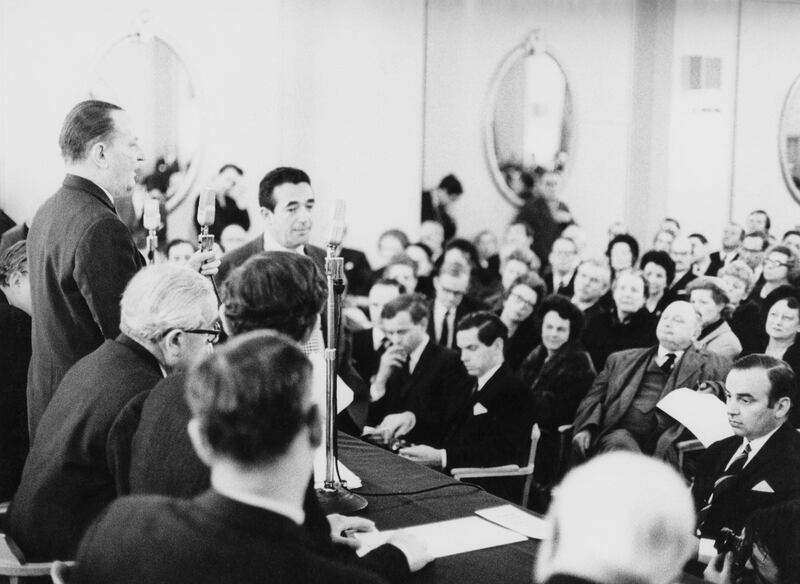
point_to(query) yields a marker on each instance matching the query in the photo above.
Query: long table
(384, 472)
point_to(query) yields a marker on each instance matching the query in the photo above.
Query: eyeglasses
(522, 300)
(774, 263)
(212, 335)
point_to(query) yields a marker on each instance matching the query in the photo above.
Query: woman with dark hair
(622, 252)
(519, 315)
(745, 321)
(559, 372)
(710, 300)
(779, 268)
(659, 271)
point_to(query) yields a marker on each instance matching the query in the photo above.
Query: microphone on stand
(206, 212)
(152, 221)
(333, 496)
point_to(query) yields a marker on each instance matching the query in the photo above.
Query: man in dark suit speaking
(254, 423)
(760, 465)
(80, 253)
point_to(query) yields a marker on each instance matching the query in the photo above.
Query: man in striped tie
(760, 465)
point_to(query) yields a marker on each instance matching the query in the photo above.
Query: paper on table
(517, 520)
(702, 413)
(447, 538)
(348, 476)
(344, 395)
(706, 551)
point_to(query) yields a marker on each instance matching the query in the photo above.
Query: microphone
(338, 226)
(152, 221)
(206, 210)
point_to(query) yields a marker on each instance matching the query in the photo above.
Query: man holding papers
(760, 465)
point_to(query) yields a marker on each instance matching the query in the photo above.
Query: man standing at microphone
(80, 254)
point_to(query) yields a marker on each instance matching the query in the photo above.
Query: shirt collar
(413, 358)
(227, 487)
(483, 379)
(662, 355)
(756, 444)
(271, 245)
(377, 337)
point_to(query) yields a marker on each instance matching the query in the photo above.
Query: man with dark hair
(758, 220)
(81, 254)
(760, 465)
(560, 279)
(228, 187)
(255, 425)
(790, 239)
(491, 427)
(179, 251)
(703, 264)
(732, 236)
(420, 385)
(435, 204)
(368, 345)
(546, 214)
(450, 303)
(754, 244)
(592, 283)
(287, 204)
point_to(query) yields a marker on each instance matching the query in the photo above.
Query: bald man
(619, 412)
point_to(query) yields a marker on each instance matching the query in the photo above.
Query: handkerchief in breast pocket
(478, 409)
(763, 487)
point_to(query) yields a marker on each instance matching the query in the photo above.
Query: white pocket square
(478, 409)
(763, 487)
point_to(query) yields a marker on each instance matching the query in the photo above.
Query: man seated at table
(420, 386)
(760, 465)
(620, 518)
(492, 427)
(619, 412)
(256, 426)
(167, 315)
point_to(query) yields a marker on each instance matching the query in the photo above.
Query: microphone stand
(333, 497)
(206, 241)
(152, 244)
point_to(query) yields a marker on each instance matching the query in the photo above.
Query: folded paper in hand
(702, 413)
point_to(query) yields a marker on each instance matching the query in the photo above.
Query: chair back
(536, 433)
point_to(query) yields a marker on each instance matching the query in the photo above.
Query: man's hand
(205, 262)
(415, 550)
(341, 526)
(718, 570)
(394, 425)
(392, 358)
(423, 454)
(582, 440)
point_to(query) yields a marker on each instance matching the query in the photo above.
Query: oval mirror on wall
(529, 126)
(144, 75)
(789, 140)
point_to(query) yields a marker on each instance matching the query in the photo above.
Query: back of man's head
(251, 398)
(165, 297)
(621, 517)
(13, 262)
(86, 123)
(415, 304)
(275, 178)
(278, 290)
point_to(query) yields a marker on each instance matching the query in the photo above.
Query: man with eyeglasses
(450, 303)
(752, 250)
(168, 316)
(563, 262)
(546, 213)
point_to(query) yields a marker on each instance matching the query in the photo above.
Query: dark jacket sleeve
(556, 399)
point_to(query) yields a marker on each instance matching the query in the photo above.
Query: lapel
(689, 364)
(424, 365)
(493, 387)
(773, 450)
(627, 383)
(79, 183)
(141, 352)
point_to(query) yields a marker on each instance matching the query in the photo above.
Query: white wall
(334, 87)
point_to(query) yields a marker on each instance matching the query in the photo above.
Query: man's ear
(265, 213)
(201, 446)
(314, 423)
(97, 154)
(170, 345)
(782, 407)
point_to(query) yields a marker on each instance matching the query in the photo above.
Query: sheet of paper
(702, 413)
(348, 476)
(517, 520)
(706, 551)
(344, 395)
(447, 538)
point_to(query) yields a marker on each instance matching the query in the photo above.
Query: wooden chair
(507, 470)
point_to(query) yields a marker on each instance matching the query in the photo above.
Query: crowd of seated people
(453, 348)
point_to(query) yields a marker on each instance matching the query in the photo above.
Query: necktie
(383, 346)
(724, 483)
(666, 366)
(444, 338)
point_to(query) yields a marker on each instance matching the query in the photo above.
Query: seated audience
(560, 278)
(168, 316)
(778, 268)
(732, 236)
(752, 251)
(619, 411)
(681, 254)
(488, 252)
(229, 207)
(391, 243)
(627, 325)
(15, 354)
(746, 320)
(519, 316)
(702, 262)
(592, 281)
(451, 302)
(357, 271)
(401, 268)
(672, 225)
(514, 263)
(622, 253)
(545, 213)
(493, 426)
(179, 251)
(619, 519)
(577, 234)
(709, 298)
(436, 204)
(420, 385)
(431, 233)
(423, 256)
(659, 271)
(791, 239)
(520, 235)
(558, 372)
(758, 220)
(255, 425)
(663, 241)
(369, 344)
(760, 465)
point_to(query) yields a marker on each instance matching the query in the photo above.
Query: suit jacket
(568, 290)
(210, 539)
(429, 211)
(677, 291)
(524, 340)
(235, 258)
(777, 464)
(230, 214)
(67, 481)
(618, 383)
(605, 334)
(467, 306)
(13, 235)
(80, 258)
(721, 341)
(493, 426)
(365, 358)
(357, 271)
(536, 213)
(435, 392)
